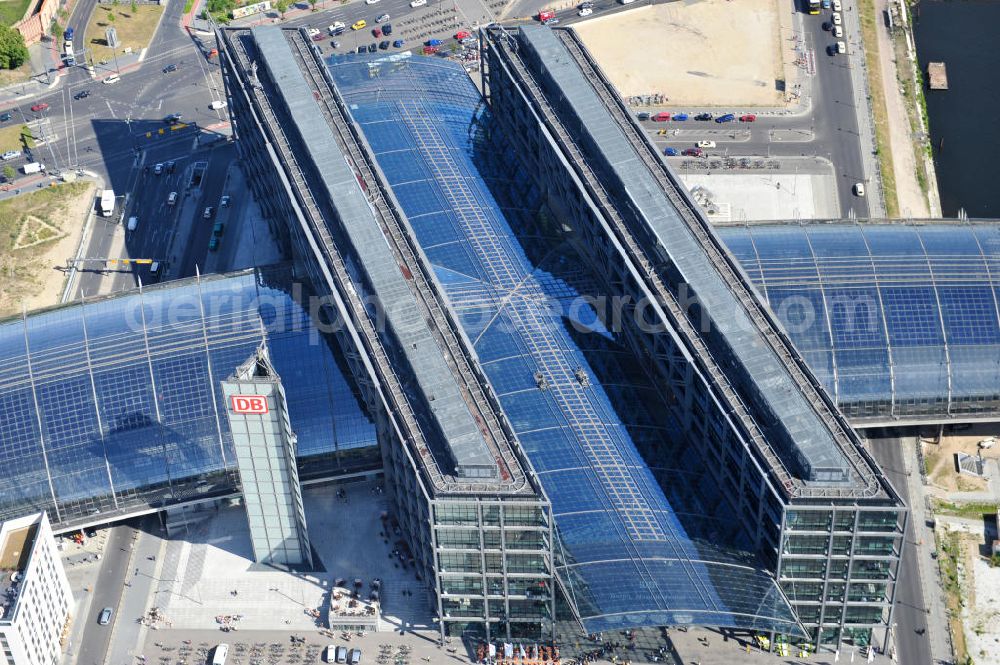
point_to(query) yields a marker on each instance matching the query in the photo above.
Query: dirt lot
(38, 231)
(940, 458)
(705, 53)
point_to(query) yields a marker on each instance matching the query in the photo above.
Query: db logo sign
(248, 404)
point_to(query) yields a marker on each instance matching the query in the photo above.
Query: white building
(35, 598)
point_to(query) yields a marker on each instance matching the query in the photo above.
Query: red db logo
(248, 404)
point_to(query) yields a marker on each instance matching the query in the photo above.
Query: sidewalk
(937, 622)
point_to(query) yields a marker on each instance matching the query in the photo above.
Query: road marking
(110, 110)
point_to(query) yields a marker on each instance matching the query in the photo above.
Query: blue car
(826, 4)
(398, 43)
(435, 42)
(679, 117)
(729, 117)
(670, 152)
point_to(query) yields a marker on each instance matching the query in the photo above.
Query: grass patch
(967, 510)
(10, 138)
(135, 29)
(951, 552)
(19, 75)
(188, 5)
(22, 271)
(869, 24)
(12, 11)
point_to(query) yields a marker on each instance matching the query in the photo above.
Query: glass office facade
(897, 320)
(113, 405)
(628, 551)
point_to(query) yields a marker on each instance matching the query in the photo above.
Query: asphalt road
(910, 614)
(106, 593)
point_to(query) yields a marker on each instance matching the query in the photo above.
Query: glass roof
(897, 320)
(629, 554)
(107, 406)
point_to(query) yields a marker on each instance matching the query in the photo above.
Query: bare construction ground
(38, 231)
(698, 53)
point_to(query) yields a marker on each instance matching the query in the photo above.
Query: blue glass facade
(629, 552)
(113, 405)
(899, 321)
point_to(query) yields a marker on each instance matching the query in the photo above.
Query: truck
(107, 202)
(813, 6)
(33, 167)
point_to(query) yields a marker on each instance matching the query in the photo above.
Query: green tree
(312, 3)
(135, 7)
(281, 6)
(13, 52)
(57, 30)
(9, 173)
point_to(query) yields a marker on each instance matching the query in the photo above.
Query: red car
(377, 32)
(545, 15)
(692, 152)
(663, 116)
(749, 117)
(430, 50)
(39, 107)
(462, 34)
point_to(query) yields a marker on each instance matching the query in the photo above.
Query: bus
(813, 6)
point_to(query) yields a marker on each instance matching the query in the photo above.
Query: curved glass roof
(107, 406)
(629, 554)
(899, 321)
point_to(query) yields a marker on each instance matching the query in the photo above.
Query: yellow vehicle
(360, 25)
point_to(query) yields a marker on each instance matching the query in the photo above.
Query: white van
(217, 104)
(133, 223)
(219, 657)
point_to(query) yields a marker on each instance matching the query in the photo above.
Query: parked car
(643, 115)
(670, 152)
(704, 117)
(39, 107)
(382, 18)
(662, 116)
(837, 20)
(312, 32)
(398, 43)
(334, 43)
(837, 6)
(693, 152)
(838, 31)
(729, 117)
(679, 117)
(362, 49)
(825, 4)
(748, 117)
(434, 42)
(377, 32)
(387, 29)
(841, 47)
(430, 50)
(383, 45)
(706, 144)
(372, 47)
(10, 154)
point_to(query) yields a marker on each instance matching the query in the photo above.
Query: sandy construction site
(698, 52)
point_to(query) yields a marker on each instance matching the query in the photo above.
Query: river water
(965, 119)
